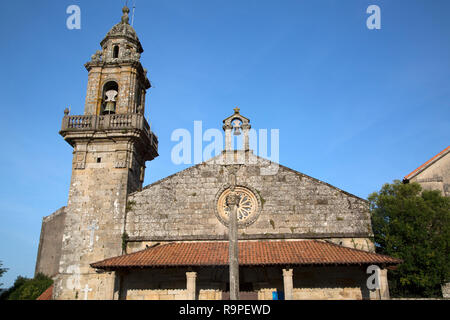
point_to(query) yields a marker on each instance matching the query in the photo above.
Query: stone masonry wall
(95, 219)
(436, 176)
(50, 242)
(322, 283)
(293, 205)
(98, 77)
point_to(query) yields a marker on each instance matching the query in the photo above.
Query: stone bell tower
(111, 143)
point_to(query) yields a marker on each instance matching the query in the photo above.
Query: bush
(27, 289)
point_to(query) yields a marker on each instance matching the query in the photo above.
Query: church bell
(237, 128)
(110, 107)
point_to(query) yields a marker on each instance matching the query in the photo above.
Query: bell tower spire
(111, 143)
(117, 67)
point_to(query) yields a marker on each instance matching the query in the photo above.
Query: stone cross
(92, 228)
(86, 290)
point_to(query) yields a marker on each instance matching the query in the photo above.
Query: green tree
(2, 271)
(17, 284)
(413, 225)
(27, 289)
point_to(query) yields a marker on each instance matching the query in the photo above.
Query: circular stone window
(247, 210)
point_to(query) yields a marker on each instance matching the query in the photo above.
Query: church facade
(299, 237)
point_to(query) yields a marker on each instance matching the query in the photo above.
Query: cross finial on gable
(236, 110)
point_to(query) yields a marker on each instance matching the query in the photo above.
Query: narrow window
(116, 52)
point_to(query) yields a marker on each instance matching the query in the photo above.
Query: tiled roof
(47, 294)
(251, 253)
(426, 164)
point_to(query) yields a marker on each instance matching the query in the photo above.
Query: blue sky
(355, 107)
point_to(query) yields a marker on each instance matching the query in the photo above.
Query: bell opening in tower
(110, 93)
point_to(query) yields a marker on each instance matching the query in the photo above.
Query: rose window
(246, 209)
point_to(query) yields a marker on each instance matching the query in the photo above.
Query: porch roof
(251, 253)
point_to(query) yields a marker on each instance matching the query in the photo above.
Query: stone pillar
(246, 140)
(228, 128)
(384, 287)
(191, 278)
(233, 202)
(288, 284)
(445, 288)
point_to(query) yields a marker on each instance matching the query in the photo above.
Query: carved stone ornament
(80, 160)
(97, 56)
(125, 17)
(121, 159)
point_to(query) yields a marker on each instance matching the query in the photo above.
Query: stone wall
(95, 216)
(168, 284)
(293, 205)
(446, 290)
(49, 251)
(339, 283)
(336, 283)
(99, 76)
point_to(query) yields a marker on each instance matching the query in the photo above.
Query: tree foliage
(413, 225)
(27, 289)
(2, 271)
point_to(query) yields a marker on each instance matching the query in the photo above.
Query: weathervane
(132, 15)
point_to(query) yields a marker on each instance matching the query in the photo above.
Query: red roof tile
(47, 294)
(251, 253)
(426, 164)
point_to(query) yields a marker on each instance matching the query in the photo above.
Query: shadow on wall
(212, 283)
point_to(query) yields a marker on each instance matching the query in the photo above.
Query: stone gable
(434, 174)
(293, 205)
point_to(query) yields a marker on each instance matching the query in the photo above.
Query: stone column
(384, 287)
(288, 284)
(228, 128)
(191, 278)
(246, 140)
(233, 202)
